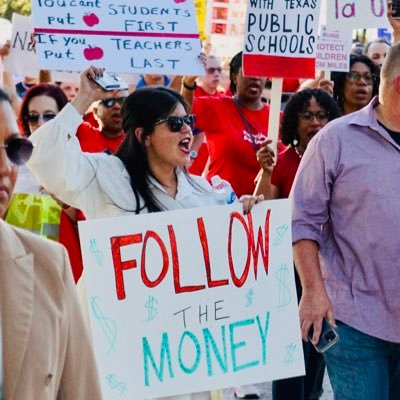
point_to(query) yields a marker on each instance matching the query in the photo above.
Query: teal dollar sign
(249, 297)
(98, 255)
(115, 384)
(151, 304)
(107, 325)
(284, 293)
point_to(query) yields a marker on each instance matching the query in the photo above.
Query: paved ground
(265, 390)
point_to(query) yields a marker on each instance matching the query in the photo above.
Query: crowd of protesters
(86, 153)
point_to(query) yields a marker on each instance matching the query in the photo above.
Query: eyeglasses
(308, 116)
(175, 123)
(212, 70)
(112, 101)
(18, 150)
(33, 119)
(355, 77)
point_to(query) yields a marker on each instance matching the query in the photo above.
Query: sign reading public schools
(280, 38)
(132, 36)
(192, 300)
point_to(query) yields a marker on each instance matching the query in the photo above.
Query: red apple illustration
(90, 19)
(93, 53)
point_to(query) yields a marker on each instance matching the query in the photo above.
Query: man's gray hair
(391, 64)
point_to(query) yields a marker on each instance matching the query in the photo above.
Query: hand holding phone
(110, 82)
(327, 338)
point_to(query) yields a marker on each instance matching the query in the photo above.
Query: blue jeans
(362, 367)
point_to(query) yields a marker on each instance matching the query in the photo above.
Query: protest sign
(280, 38)
(22, 59)
(355, 14)
(333, 50)
(192, 300)
(158, 37)
(225, 25)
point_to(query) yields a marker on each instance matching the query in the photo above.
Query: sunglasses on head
(34, 118)
(175, 124)
(112, 101)
(18, 150)
(212, 70)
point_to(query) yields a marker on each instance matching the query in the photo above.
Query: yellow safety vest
(37, 213)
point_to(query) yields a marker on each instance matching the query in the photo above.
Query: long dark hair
(234, 68)
(299, 103)
(142, 109)
(42, 89)
(339, 78)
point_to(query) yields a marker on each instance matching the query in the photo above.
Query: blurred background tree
(8, 7)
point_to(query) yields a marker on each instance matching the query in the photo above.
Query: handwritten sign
(280, 38)
(225, 25)
(21, 59)
(333, 50)
(355, 14)
(192, 300)
(158, 36)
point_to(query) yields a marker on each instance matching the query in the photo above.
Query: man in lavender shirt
(346, 232)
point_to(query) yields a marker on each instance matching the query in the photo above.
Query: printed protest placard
(192, 300)
(225, 25)
(280, 38)
(355, 14)
(333, 50)
(158, 36)
(22, 59)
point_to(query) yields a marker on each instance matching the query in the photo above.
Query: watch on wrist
(193, 154)
(188, 87)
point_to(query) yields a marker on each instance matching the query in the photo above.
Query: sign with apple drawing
(126, 36)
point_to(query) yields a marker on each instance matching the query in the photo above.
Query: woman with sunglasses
(353, 90)
(31, 208)
(306, 113)
(147, 173)
(44, 340)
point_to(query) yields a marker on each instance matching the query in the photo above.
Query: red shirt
(232, 155)
(92, 141)
(284, 171)
(200, 162)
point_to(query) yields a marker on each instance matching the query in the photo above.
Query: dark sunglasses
(112, 101)
(18, 150)
(175, 123)
(34, 118)
(212, 70)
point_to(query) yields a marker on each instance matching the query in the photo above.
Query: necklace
(296, 149)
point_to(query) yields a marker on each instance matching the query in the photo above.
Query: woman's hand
(318, 83)
(266, 157)
(394, 22)
(248, 202)
(5, 49)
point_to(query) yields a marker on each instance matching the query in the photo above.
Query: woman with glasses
(46, 351)
(147, 173)
(306, 113)
(353, 90)
(31, 208)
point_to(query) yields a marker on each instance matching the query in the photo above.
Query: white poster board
(225, 22)
(333, 50)
(356, 14)
(158, 36)
(21, 59)
(192, 300)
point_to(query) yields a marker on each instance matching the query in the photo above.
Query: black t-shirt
(395, 135)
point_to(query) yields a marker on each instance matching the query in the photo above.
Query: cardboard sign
(158, 36)
(225, 25)
(192, 300)
(355, 14)
(280, 39)
(22, 58)
(333, 50)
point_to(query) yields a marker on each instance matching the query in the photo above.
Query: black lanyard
(246, 124)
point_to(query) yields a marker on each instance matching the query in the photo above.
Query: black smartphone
(109, 82)
(396, 9)
(327, 338)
